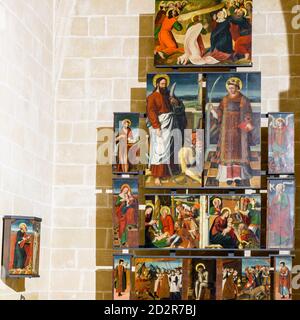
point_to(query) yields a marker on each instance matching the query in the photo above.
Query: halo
(127, 120)
(165, 207)
(125, 186)
(226, 209)
(194, 16)
(220, 201)
(162, 3)
(282, 184)
(149, 204)
(170, 9)
(170, 2)
(245, 11)
(160, 75)
(199, 265)
(236, 81)
(22, 224)
(247, 2)
(280, 119)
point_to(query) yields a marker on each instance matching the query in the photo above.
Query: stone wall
(27, 126)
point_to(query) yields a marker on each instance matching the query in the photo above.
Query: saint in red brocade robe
(233, 152)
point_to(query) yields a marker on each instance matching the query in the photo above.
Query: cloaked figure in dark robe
(221, 38)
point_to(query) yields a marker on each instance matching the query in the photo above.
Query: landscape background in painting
(145, 276)
(188, 92)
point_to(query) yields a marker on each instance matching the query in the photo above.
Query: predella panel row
(202, 278)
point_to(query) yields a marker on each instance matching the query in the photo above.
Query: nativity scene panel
(234, 222)
(233, 131)
(203, 33)
(176, 138)
(172, 221)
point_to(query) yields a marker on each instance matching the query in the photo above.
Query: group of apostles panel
(181, 221)
(202, 278)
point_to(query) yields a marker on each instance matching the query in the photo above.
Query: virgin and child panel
(158, 279)
(121, 277)
(234, 222)
(281, 143)
(244, 279)
(201, 279)
(233, 130)
(203, 33)
(172, 221)
(281, 214)
(126, 148)
(174, 121)
(125, 213)
(21, 246)
(283, 278)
